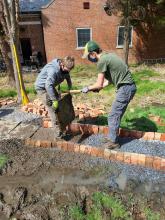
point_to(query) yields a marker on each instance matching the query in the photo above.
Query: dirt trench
(40, 184)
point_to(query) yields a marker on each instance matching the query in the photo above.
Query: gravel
(153, 148)
(14, 114)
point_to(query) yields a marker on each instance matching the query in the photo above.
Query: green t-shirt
(114, 68)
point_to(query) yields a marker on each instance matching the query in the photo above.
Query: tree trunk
(10, 72)
(126, 40)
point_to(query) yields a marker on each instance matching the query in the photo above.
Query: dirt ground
(40, 184)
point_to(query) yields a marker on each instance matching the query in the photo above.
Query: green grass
(150, 215)
(144, 83)
(3, 160)
(7, 93)
(138, 119)
(100, 202)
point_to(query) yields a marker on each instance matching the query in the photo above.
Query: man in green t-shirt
(111, 69)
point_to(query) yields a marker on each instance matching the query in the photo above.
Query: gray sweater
(51, 76)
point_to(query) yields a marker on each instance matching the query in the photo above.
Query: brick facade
(61, 18)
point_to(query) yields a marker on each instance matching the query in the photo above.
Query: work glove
(85, 90)
(55, 105)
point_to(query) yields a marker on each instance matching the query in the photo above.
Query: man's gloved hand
(55, 105)
(85, 90)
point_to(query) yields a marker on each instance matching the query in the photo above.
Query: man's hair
(98, 50)
(68, 62)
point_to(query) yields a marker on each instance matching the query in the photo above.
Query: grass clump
(3, 160)
(101, 202)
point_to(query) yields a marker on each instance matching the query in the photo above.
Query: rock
(19, 197)
(35, 212)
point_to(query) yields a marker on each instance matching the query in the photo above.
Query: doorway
(26, 49)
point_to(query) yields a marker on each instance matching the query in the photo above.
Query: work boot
(108, 144)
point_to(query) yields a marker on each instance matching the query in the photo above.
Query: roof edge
(47, 6)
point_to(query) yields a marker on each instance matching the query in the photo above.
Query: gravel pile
(153, 148)
(16, 115)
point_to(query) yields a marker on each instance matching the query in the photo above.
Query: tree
(5, 51)
(129, 11)
(132, 13)
(10, 18)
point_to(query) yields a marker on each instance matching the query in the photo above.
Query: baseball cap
(90, 47)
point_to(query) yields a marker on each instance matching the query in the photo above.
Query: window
(86, 5)
(83, 36)
(120, 37)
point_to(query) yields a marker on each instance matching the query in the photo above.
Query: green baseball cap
(90, 47)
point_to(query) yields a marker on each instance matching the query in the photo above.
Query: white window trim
(81, 48)
(131, 44)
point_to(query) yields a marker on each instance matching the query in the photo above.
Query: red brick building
(64, 26)
(69, 24)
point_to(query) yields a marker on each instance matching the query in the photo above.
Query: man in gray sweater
(52, 75)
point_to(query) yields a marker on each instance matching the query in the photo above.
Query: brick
(49, 124)
(157, 163)
(64, 145)
(113, 155)
(120, 156)
(27, 141)
(127, 157)
(71, 146)
(124, 133)
(32, 142)
(40, 111)
(162, 137)
(157, 136)
(101, 129)
(107, 154)
(149, 161)
(59, 144)
(54, 144)
(74, 128)
(82, 148)
(38, 143)
(141, 159)
(93, 129)
(106, 130)
(76, 148)
(97, 152)
(30, 110)
(134, 158)
(45, 124)
(162, 165)
(84, 128)
(46, 144)
(148, 136)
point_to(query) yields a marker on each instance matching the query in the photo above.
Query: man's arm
(49, 85)
(69, 81)
(99, 84)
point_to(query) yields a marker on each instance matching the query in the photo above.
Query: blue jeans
(124, 95)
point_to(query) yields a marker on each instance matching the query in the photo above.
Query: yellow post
(25, 99)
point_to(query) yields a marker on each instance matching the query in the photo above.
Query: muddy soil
(40, 184)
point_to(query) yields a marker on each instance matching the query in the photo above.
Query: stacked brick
(153, 162)
(82, 111)
(4, 102)
(36, 107)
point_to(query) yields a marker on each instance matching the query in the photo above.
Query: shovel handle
(72, 92)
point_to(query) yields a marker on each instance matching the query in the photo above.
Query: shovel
(71, 92)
